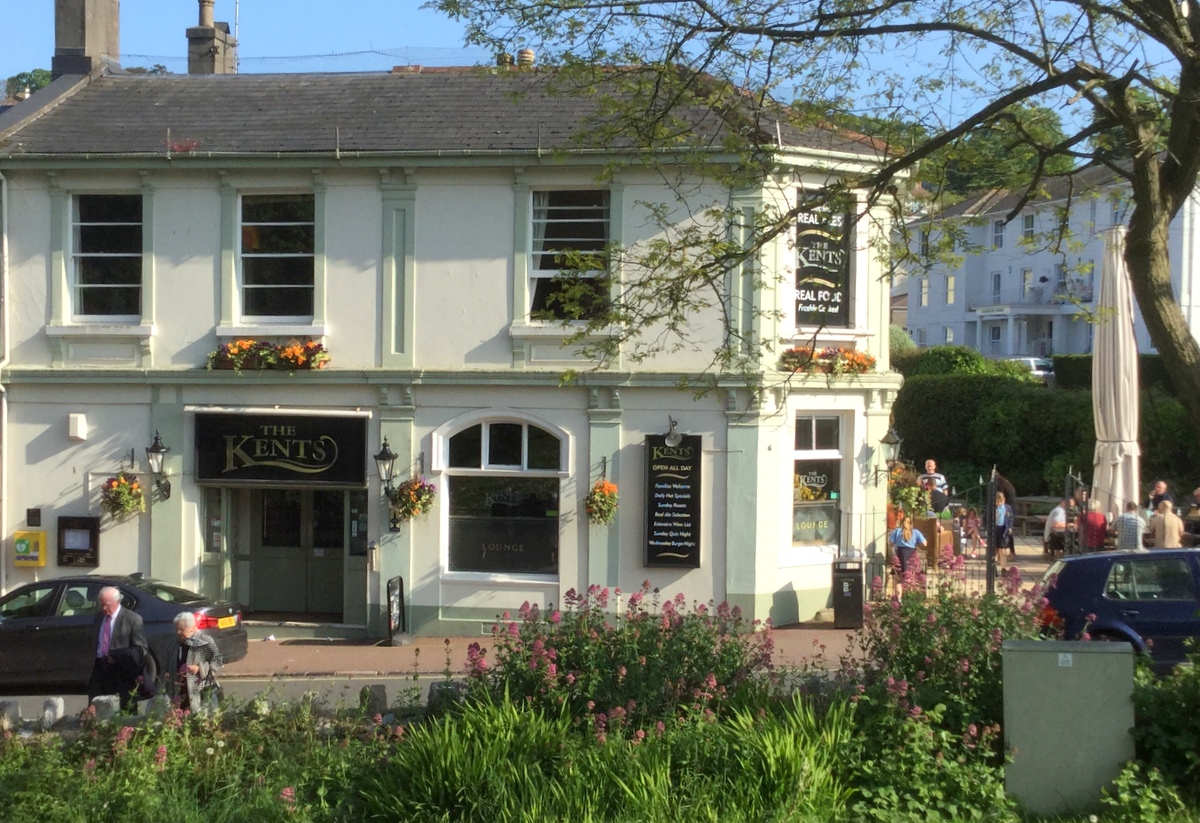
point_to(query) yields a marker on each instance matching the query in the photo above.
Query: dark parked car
(1145, 598)
(48, 629)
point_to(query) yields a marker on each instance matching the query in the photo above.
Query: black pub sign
(822, 269)
(281, 449)
(673, 502)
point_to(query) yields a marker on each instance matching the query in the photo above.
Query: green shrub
(1142, 795)
(944, 647)
(632, 666)
(504, 760)
(1074, 371)
(927, 679)
(1167, 725)
(899, 343)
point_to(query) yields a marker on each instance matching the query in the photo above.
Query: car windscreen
(1052, 573)
(170, 594)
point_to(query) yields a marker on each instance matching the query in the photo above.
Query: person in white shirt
(1054, 534)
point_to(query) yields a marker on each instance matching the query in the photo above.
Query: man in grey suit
(120, 649)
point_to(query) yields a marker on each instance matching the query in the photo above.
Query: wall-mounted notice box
(29, 548)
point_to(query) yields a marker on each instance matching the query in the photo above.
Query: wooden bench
(1023, 522)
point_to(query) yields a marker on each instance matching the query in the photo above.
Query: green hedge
(970, 422)
(1074, 371)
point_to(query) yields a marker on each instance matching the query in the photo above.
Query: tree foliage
(1120, 73)
(32, 80)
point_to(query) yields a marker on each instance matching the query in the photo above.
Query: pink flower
(288, 795)
(160, 758)
(556, 616)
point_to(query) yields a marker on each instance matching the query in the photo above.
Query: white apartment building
(1014, 290)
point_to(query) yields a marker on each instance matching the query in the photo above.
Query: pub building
(275, 317)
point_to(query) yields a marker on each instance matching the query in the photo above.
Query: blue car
(1147, 598)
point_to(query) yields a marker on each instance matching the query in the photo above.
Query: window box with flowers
(257, 355)
(829, 360)
(122, 495)
(601, 503)
(411, 498)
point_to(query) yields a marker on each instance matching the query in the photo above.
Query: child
(971, 531)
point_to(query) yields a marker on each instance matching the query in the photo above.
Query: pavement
(795, 645)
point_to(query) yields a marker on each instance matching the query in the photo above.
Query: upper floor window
(1026, 283)
(107, 254)
(277, 254)
(924, 242)
(949, 335)
(949, 289)
(996, 287)
(1027, 227)
(998, 234)
(503, 483)
(924, 296)
(570, 234)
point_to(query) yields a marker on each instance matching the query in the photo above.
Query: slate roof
(420, 111)
(1085, 179)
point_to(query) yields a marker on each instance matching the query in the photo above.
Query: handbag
(211, 691)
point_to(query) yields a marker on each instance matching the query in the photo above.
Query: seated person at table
(1054, 534)
(1167, 527)
(1093, 528)
(1129, 528)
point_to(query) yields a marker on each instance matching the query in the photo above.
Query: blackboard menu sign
(673, 502)
(822, 269)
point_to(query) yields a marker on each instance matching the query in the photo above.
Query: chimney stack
(85, 31)
(211, 50)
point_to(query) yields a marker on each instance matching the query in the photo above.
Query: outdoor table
(1022, 508)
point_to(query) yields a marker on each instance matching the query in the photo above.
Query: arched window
(503, 479)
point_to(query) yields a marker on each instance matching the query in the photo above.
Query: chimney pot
(525, 58)
(206, 13)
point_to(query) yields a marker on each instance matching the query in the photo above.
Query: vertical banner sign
(673, 502)
(822, 269)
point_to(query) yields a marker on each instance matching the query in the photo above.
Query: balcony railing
(1045, 294)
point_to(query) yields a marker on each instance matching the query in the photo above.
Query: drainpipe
(3, 393)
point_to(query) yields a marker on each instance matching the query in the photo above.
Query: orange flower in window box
(296, 355)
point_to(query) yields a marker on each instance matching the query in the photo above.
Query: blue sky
(152, 31)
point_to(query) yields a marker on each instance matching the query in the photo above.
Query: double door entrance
(299, 554)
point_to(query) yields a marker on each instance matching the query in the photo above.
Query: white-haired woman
(195, 659)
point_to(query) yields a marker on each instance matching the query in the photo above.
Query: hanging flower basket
(826, 361)
(411, 498)
(601, 503)
(122, 495)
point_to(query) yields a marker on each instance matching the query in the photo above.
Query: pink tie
(105, 635)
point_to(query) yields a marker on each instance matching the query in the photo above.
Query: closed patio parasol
(1116, 466)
